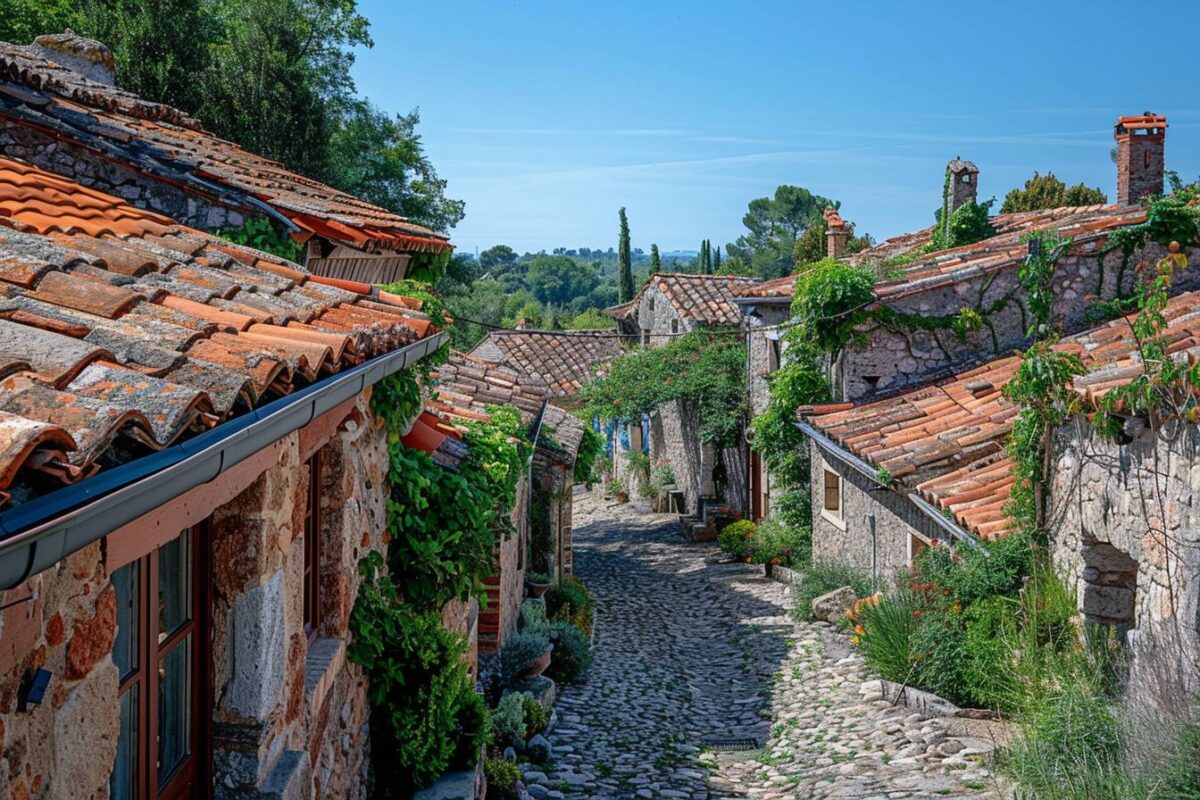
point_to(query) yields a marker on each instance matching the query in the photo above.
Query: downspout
(38, 534)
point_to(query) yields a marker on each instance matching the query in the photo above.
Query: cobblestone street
(704, 687)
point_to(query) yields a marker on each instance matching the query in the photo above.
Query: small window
(651, 303)
(312, 550)
(773, 354)
(966, 178)
(872, 380)
(674, 326)
(645, 336)
(1146, 158)
(833, 493)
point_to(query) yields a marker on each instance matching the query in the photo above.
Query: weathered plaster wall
(897, 523)
(138, 189)
(894, 359)
(1118, 506)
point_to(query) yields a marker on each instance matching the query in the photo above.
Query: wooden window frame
(312, 549)
(835, 515)
(191, 779)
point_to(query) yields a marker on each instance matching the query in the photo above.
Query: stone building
(670, 305)
(565, 360)
(60, 110)
(916, 451)
(189, 475)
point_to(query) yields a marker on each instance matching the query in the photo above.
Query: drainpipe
(874, 551)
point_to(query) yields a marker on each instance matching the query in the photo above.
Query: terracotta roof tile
(166, 142)
(706, 299)
(477, 384)
(946, 440)
(565, 360)
(111, 346)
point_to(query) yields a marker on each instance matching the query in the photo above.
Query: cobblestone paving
(692, 654)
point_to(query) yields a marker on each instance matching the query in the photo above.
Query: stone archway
(1109, 586)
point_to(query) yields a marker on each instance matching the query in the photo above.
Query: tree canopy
(1047, 191)
(772, 226)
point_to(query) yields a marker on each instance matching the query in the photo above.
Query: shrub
(521, 650)
(883, 631)
(988, 672)
(508, 720)
(474, 730)
(533, 617)
(819, 579)
(775, 542)
(736, 538)
(536, 718)
(540, 578)
(972, 575)
(502, 777)
(940, 651)
(572, 652)
(570, 601)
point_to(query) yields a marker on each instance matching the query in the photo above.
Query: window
(1146, 158)
(674, 326)
(158, 649)
(651, 303)
(831, 507)
(966, 178)
(645, 336)
(773, 355)
(312, 550)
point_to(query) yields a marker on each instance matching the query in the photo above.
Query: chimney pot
(1141, 143)
(836, 234)
(89, 58)
(964, 183)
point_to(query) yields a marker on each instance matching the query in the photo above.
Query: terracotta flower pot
(539, 664)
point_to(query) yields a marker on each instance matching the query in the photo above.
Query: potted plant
(537, 583)
(524, 656)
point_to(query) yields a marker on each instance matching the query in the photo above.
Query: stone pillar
(1140, 156)
(964, 183)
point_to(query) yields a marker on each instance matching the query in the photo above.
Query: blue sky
(546, 117)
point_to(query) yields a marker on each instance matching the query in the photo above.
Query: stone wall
(554, 480)
(759, 353)
(65, 746)
(899, 526)
(680, 444)
(896, 359)
(506, 588)
(136, 188)
(1126, 534)
(656, 313)
(288, 718)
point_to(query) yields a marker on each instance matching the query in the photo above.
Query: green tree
(23, 20)
(380, 159)
(772, 226)
(655, 260)
(557, 280)
(716, 261)
(1047, 191)
(625, 290)
(497, 259)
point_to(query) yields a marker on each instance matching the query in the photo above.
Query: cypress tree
(655, 260)
(717, 261)
(625, 285)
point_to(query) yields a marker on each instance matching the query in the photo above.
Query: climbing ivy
(262, 235)
(705, 369)
(591, 446)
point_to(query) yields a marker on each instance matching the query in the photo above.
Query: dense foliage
(591, 448)
(1047, 191)
(570, 601)
(272, 75)
(773, 225)
(705, 369)
(262, 235)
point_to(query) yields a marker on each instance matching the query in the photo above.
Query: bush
(972, 575)
(777, 543)
(988, 672)
(572, 652)
(940, 652)
(533, 617)
(736, 538)
(474, 730)
(518, 653)
(508, 721)
(570, 601)
(536, 718)
(819, 579)
(502, 777)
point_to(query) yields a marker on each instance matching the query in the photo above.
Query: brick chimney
(86, 56)
(964, 182)
(1140, 144)
(836, 234)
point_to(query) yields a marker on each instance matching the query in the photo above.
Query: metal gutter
(851, 460)
(37, 534)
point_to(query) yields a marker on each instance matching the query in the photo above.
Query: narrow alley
(703, 686)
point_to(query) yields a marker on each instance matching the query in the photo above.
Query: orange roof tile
(706, 299)
(166, 142)
(152, 331)
(564, 360)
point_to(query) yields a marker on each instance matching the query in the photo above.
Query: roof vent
(88, 57)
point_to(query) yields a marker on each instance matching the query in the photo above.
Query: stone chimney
(1140, 144)
(836, 234)
(964, 183)
(87, 57)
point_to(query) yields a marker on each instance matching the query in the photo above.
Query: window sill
(833, 519)
(324, 660)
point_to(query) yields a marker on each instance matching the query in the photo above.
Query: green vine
(262, 235)
(591, 447)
